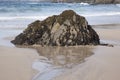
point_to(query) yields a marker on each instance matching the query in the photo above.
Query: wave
(82, 3)
(101, 14)
(43, 17)
(76, 4)
(24, 17)
(118, 5)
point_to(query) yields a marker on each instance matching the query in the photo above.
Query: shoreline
(27, 57)
(106, 26)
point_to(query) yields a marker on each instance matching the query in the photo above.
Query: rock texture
(66, 29)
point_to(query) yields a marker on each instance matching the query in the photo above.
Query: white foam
(82, 3)
(118, 5)
(102, 14)
(23, 17)
(43, 17)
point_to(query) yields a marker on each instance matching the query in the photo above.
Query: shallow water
(65, 57)
(6, 35)
(59, 59)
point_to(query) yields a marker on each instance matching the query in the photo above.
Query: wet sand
(103, 65)
(66, 57)
(16, 64)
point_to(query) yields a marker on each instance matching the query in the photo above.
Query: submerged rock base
(66, 29)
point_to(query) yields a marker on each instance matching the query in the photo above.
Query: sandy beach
(103, 64)
(59, 63)
(109, 32)
(16, 64)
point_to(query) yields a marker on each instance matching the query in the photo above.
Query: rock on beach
(66, 29)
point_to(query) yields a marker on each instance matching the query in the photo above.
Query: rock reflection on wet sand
(65, 56)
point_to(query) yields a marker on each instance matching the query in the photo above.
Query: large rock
(66, 29)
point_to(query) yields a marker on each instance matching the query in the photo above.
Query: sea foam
(102, 14)
(44, 17)
(118, 5)
(23, 17)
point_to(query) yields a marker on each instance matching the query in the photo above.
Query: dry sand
(109, 34)
(16, 64)
(103, 65)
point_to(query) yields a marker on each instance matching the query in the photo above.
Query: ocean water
(30, 11)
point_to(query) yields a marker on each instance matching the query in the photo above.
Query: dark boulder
(66, 29)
